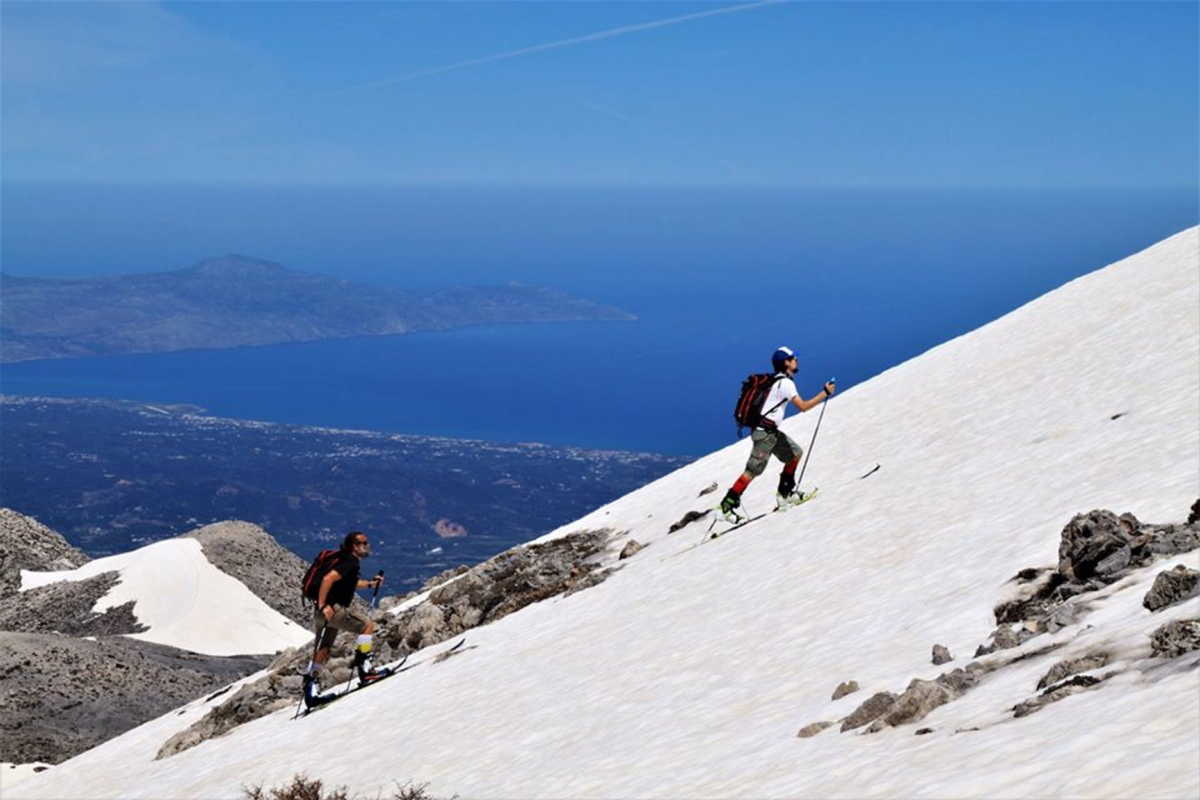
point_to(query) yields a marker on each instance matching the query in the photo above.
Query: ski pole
(312, 663)
(808, 455)
(375, 594)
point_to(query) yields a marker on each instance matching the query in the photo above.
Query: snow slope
(688, 674)
(185, 601)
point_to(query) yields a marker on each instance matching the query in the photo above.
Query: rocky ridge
(1098, 551)
(63, 695)
(26, 543)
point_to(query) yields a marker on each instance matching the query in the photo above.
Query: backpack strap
(762, 416)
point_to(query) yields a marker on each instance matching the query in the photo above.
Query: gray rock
(1171, 587)
(64, 695)
(66, 607)
(1194, 516)
(941, 655)
(1075, 685)
(874, 707)
(1091, 540)
(1176, 638)
(1066, 615)
(1170, 540)
(631, 548)
(843, 689)
(808, 731)
(440, 578)
(1005, 638)
(960, 680)
(1072, 666)
(712, 487)
(918, 699)
(26, 543)
(688, 519)
(1116, 562)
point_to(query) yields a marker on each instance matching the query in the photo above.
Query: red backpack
(748, 413)
(310, 587)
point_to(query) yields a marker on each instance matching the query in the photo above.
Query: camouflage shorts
(344, 619)
(766, 442)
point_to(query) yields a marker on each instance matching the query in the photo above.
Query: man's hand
(327, 612)
(830, 387)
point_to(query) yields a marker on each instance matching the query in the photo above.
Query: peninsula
(235, 301)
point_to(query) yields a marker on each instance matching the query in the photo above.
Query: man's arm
(331, 577)
(804, 405)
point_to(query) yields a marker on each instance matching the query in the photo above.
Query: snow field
(687, 675)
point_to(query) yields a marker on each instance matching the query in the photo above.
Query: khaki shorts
(344, 619)
(768, 442)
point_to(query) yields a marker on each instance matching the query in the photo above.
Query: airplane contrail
(591, 37)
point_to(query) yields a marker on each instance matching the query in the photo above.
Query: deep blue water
(855, 281)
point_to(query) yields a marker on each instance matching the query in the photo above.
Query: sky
(628, 94)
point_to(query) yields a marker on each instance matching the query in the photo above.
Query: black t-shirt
(342, 592)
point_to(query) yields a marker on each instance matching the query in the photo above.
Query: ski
(804, 498)
(743, 523)
(384, 674)
(329, 699)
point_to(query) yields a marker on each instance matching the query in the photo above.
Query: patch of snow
(185, 601)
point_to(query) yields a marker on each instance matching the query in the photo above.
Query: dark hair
(348, 542)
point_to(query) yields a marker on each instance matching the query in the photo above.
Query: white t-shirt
(783, 390)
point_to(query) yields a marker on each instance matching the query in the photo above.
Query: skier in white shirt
(767, 438)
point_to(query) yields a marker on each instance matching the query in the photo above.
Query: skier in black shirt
(333, 613)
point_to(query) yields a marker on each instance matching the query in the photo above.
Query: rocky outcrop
(808, 731)
(67, 607)
(1073, 666)
(1096, 550)
(267, 568)
(64, 695)
(1176, 638)
(845, 688)
(484, 593)
(1059, 691)
(688, 519)
(1171, 587)
(872, 709)
(941, 655)
(631, 548)
(25, 543)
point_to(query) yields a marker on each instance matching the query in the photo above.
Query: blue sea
(855, 281)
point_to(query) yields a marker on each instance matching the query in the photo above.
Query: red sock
(790, 467)
(740, 485)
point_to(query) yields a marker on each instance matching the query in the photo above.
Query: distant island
(234, 301)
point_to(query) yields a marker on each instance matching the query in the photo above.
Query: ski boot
(367, 673)
(787, 496)
(312, 691)
(729, 508)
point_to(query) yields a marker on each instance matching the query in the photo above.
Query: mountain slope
(688, 674)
